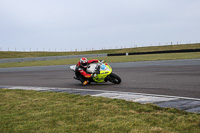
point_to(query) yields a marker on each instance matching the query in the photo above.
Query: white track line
(103, 91)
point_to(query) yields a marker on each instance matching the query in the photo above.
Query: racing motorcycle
(103, 73)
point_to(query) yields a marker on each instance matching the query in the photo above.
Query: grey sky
(86, 24)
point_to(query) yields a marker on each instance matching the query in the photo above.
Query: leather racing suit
(81, 73)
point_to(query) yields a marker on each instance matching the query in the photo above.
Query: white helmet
(84, 62)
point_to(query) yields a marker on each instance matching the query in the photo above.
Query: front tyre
(114, 78)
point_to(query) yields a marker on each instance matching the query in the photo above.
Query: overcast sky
(86, 24)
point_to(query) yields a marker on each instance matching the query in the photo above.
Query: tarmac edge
(182, 103)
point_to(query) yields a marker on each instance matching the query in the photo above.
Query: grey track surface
(170, 77)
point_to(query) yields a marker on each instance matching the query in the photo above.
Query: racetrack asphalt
(170, 77)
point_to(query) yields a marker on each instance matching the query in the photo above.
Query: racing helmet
(84, 62)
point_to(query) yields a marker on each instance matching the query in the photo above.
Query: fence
(91, 49)
(92, 55)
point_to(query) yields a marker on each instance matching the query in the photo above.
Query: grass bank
(146, 57)
(5, 55)
(32, 111)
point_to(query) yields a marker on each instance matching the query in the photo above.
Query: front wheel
(114, 78)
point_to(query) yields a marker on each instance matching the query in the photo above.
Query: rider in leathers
(80, 71)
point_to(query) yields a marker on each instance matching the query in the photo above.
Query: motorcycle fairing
(105, 70)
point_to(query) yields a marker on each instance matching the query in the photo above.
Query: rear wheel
(114, 78)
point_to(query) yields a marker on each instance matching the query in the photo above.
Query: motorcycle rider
(80, 70)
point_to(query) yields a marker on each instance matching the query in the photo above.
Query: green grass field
(23, 111)
(146, 57)
(4, 55)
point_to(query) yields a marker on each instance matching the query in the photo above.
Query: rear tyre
(114, 78)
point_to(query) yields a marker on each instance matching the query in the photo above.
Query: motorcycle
(102, 71)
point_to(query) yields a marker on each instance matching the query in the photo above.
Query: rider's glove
(101, 61)
(93, 75)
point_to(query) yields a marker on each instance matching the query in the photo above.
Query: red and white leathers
(82, 70)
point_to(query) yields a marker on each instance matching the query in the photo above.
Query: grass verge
(4, 55)
(32, 111)
(146, 57)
